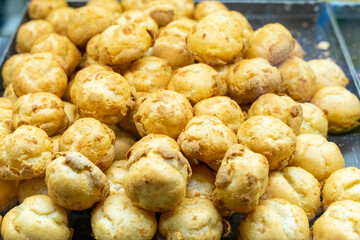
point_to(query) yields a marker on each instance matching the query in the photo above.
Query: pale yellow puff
(134, 4)
(317, 156)
(31, 187)
(202, 182)
(123, 142)
(185, 8)
(314, 120)
(92, 48)
(9, 67)
(178, 28)
(297, 51)
(112, 6)
(8, 194)
(60, 19)
(115, 174)
(40, 9)
(247, 28)
(74, 182)
(71, 112)
(205, 8)
(163, 11)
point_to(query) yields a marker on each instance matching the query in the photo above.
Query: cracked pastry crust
(40, 9)
(60, 19)
(178, 28)
(9, 67)
(112, 6)
(314, 120)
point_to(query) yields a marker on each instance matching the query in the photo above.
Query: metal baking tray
(310, 24)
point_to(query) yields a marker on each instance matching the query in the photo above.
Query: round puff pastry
(112, 6)
(206, 139)
(40, 9)
(123, 142)
(40, 72)
(281, 107)
(43, 110)
(37, 218)
(115, 174)
(269, 136)
(8, 194)
(241, 180)
(317, 156)
(314, 120)
(205, 8)
(60, 19)
(275, 219)
(178, 28)
(163, 112)
(25, 153)
(192, 219)
(116, 218)
(31, 187)
(9, 67)
(202, 182)
(91, 138)
(250, 78)
(186, 81)
(74, 182)
(163, 12)
(341, 108)
(297, 186)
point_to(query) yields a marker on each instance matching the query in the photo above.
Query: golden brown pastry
(281, 107)
(272, 42)
(74, 182)
(174, 50)
(299, 79)
(39, 72)
(149, 74)
(8, 194)
(343, 184)
(92, 48)
(43, 110)
(250, 78)
(268, 136)
(206, 139)
(192, 219)
(118, 219)
(40, 9)
(205, 8)
(71, 112)
(61, 19)
(163, 112)
(134, 4)
(185, 8)
(297, 186)
(163, 12)
(100, 93)
(317, 156)
(297, 51)
(9, 93)
(87, 22)
(123, 142)
(25, 153)
(340, 221)
(202, 182)
(31, 187)
(247, 28)
(341, 108)
(9, 67)
(216, 39)
(241, 180)
(314, 120)
(37, 218)
(121, 44)
(275, 219)
(327, 73)
(91, 138)
(29, 32)
(115, 174)
(178, 28)
(112, 6)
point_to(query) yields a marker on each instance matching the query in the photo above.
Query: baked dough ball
(216, 39)
(43, 110)
(8, 194)
(148, 74)
(163, 112)
(281, 107)
(37, 218)
(297, 186)
(250, 78)
(299, 79)
(185, 8)
(100, 93)
(29, 32)
(222, 107)
(91, 138)
(192, 219)
(202, 182)
(31, 187)
(206, 139)
(241, 180)
(64, 50)
(157, 173)
(116, 218)
(205, 8)
(178, 28)
(340, 221)
(141, 18)
(317, 156)
(39, 72)
(270, 137)
(163, 12)
(123, 142)
(341, 108)
(71, 112)
(186, 81)
(314, 120)
(87, 22)
(115, 174)
(121, 44)
(61, 19)
(297, 51)
(74, 182)
(343, 184)
(9, 93)
(275, 219)
(327, 73)
(112, 6)
(247, 28)
(40, 9)
(134, 4)
(174, 50)
(25, 153)
(272, 42)
(9, 67)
